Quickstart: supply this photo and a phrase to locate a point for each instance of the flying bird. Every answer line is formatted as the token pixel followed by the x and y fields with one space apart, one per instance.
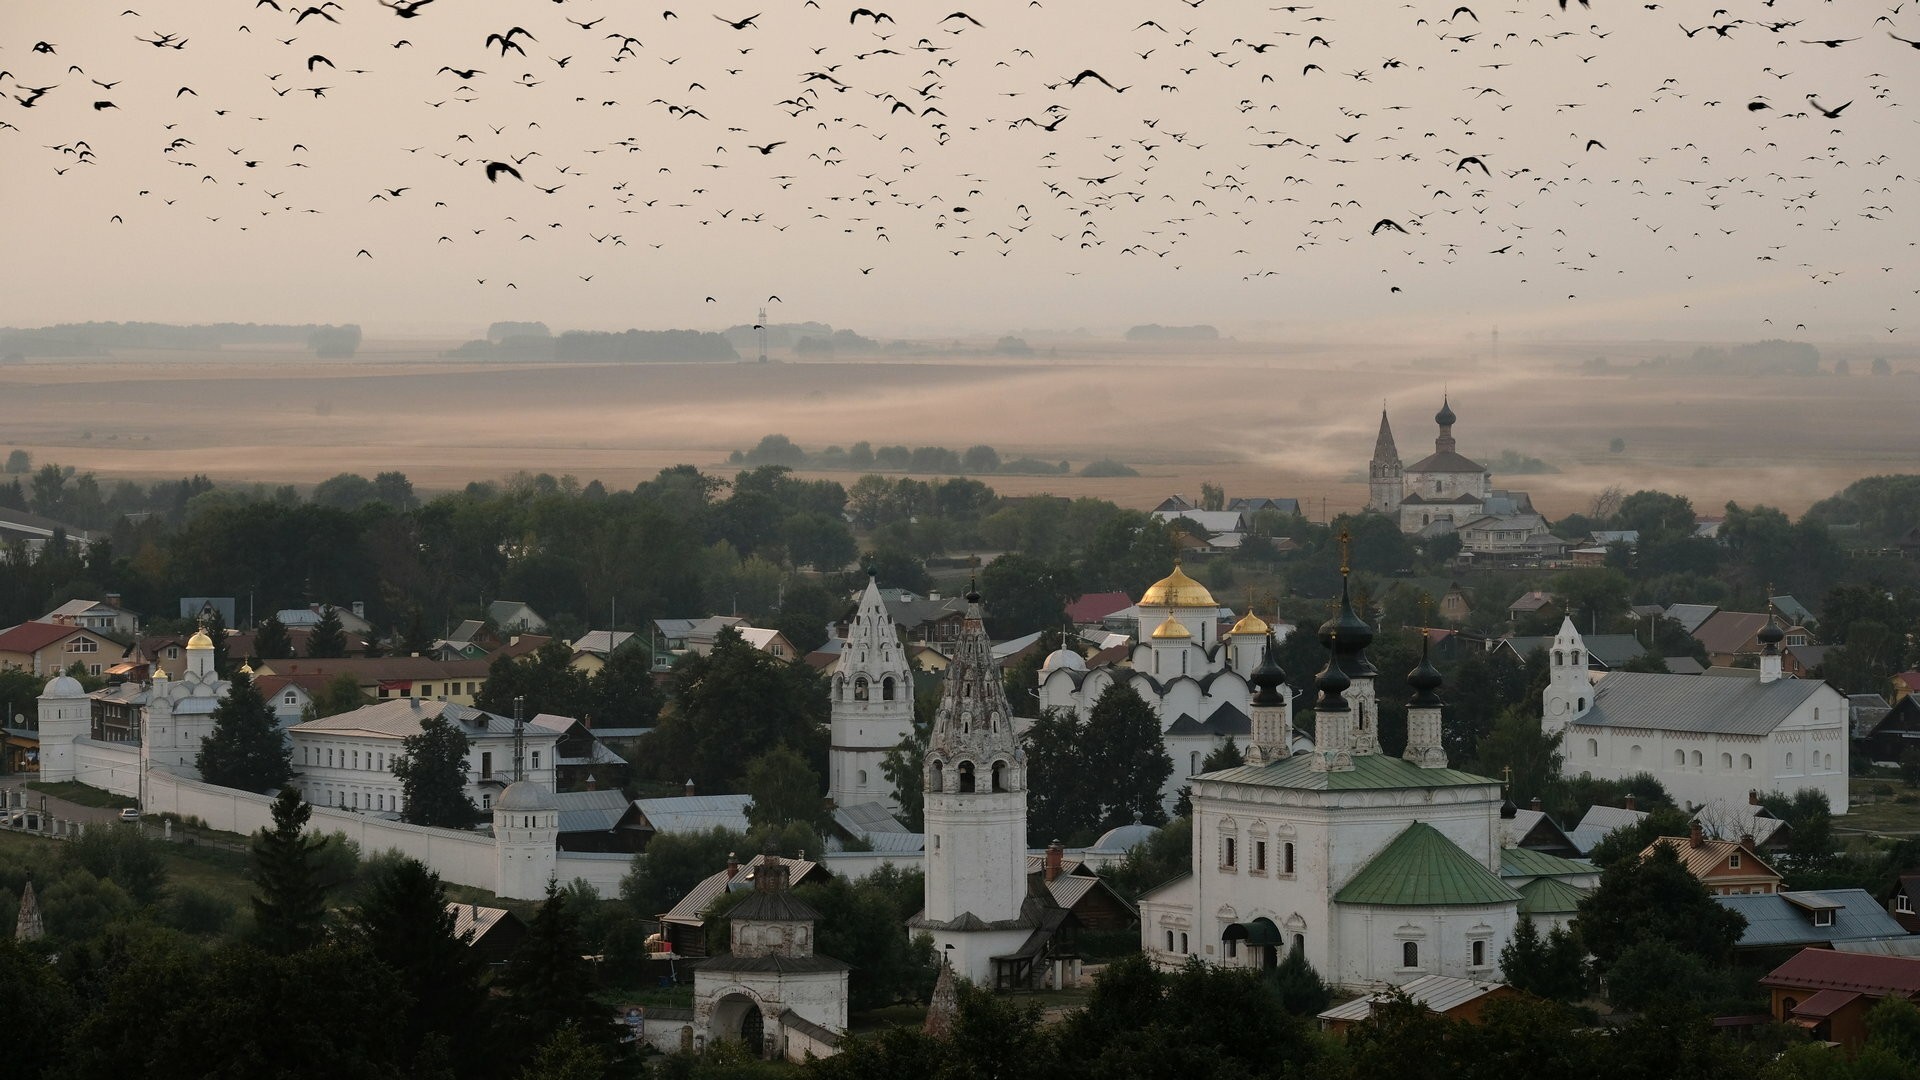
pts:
pixel 495 168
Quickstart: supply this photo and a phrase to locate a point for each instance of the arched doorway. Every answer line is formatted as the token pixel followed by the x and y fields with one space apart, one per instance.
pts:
pixel 737 1017
pixel 1262 941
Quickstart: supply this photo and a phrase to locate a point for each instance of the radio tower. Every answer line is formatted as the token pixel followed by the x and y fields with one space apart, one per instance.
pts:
pixel 760 325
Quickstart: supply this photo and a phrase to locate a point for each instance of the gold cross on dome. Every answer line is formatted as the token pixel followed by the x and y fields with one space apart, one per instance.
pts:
pixel 1506 784
pixel 1346 550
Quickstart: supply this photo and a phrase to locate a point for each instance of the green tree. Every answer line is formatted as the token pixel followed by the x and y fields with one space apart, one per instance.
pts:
pixel 980 459
pixel 904 766
pixel 784 789
pixel 1655 899
pixel 566 1055
pixel 1517 743
pixel 1552 967
pixel 1624 844
pixel 341 694
pixel 623 693
pixel 732 697
pixel 1024 595
pixel 1087 776
pixel 246 749
pixel 549 983
pixel 328 639
pixel 19 462
pixel 819 540
pixel 126 857
pixel 673 864
pixel 271 641
pixel 404 921
pixel 215 627
pixel 1302 991
pixel 432 769
pixel 289 903
pixel 547 680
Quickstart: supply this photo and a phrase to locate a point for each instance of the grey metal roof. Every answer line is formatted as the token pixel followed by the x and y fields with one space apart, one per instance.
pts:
pixel 1630 699
pixel 1598 822
pixel 1612 650
pixel 1439 993
pixel 696 813
pixel 397 718
pixel 865 819
pixel 590 811
pixel 1775 919
pixel 1690 616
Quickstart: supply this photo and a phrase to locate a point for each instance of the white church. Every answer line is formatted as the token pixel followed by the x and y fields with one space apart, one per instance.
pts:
pixel 872 706
pixel 1442 492
pixel 1379 870
pixel 1193 676
pixel 1704 737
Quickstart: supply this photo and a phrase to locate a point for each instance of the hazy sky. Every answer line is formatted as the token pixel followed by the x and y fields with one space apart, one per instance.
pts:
pixel 1628 189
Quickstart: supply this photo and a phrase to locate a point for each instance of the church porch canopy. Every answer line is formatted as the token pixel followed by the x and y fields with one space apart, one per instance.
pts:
pixel 1260 931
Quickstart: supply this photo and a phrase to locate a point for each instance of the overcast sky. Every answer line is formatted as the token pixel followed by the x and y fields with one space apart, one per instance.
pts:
pixel 1628 187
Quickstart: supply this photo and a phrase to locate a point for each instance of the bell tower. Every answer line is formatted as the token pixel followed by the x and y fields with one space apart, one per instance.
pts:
pixel 1385 474
pixel 872 708
pixel 1569 689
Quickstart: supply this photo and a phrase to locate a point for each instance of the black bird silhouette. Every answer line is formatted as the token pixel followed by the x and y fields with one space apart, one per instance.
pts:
pixel 1385 223
pixel 876 16
pixel 406 9
pixel 1831 114
pixel 767 149
pixel 495 168
pixel 304 12
pixel 740 24
pixel 1831 43
pixel 1471 160
pixel 505 41
pixel 316 58
pixel 961 15
pixel 1092 74
pixel 464 73
pixel 1897 37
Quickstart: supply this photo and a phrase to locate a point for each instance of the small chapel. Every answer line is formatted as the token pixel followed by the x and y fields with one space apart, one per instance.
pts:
pixel 1440 492
pixel 1378 870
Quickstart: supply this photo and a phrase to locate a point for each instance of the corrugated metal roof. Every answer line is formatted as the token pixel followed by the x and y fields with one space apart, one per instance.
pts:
pixel 864 819
pixel 1370 772
pixel 696 813
pixel 1712 855
pixel 1775 919
pixel 589 811
pixel 396 718
pixel 1440 993
pixel 691 910
pixel 1631 699
pixel 1422 868
pixel 1900 946
pixel 1550 896
pixel 477 919
pixel 1826 969
pixel 1690 616
pixel 1525 862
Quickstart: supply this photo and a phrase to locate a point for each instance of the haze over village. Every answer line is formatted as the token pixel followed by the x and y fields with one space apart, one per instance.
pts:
pixel 1126 540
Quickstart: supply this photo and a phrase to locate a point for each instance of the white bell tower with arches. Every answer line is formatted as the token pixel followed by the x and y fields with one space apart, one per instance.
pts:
pixel 1569 692
pixel 872 708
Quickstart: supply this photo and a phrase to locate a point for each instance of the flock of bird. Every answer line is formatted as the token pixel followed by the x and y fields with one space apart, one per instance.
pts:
pixel 1444 149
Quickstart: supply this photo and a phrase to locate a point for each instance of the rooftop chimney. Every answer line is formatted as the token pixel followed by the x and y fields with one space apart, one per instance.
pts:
pixel 1534 804
pixel 689 789
pixel 1056 855
pixel 1696 836
pixel 1632 803
pixel 1753 797
pixel 1746 840
pixel 593 783
pixel 359 609
pixel 733 865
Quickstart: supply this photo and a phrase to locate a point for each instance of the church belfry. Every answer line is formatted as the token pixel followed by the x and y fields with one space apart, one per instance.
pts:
pixel 1384 473
pixel 1346 636
pixel 975 813
pixel 1443 443
pixel 1425 747
pixel 872 709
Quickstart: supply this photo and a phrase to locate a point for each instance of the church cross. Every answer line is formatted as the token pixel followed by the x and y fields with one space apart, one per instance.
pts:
pixel 1506 783
pixel 1346 550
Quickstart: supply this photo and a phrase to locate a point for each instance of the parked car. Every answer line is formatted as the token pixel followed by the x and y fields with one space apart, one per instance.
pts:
pixel 131 813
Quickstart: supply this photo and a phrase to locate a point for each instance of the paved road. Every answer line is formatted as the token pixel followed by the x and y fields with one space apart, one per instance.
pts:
pixel 59 808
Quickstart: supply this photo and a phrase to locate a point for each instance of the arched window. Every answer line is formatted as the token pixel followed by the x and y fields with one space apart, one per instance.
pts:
pixel 1696 759
pixel 936 781
pixel 1169 941
pixel 1828 763
pixel 1582 707
pixel 1559 657
pixel 1576 656
pixel 1789 759
pixel 860 688
pixel 999 776
pixel 966 777
pixel 1726 761
pixel 840 687
pixel 1183 943
pixel 1193 763
pixel 1593 748
pixel 862 774
pixel 1479 952
pixel 1633 754
pixel 1299 942
pixel 1409 954
pixel 1286 857
pixel 886 688
pixel 1746 762
pixel 1679 757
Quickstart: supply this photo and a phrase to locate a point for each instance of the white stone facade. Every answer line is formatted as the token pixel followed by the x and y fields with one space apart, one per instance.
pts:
pixel 872 709
pixel 347 760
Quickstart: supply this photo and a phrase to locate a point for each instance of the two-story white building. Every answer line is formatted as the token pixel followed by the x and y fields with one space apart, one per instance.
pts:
pixel 1704 737
pixel 347 760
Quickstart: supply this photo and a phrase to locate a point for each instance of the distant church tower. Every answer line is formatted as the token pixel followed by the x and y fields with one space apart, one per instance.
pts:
pixel 872 705
pixel 1384 473
pixel 1569 687
pixel 976 815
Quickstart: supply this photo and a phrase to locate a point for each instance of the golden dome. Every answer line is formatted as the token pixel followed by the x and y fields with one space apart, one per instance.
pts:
pixel 160 674
pixel 199 641
pixel 1178 590
pixel 246 668
pixel 1250 624
pixel 1172 629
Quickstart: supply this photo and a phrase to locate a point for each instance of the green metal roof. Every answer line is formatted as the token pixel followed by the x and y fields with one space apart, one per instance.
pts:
pixel 1370 772
pixel 1526 862
pixel 1422 868
pixel 1550 896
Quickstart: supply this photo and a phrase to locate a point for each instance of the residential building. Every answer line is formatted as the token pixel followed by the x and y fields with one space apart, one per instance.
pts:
pixel 1904 904
pixel 1732 636
pixel 1703 738
pixel 592 649
pixel 1509 536
pixel 1829 992
pixel 515 617
pixel 47 648
pixel 347 760
pixel 1532 602
pixel 1725 867
pixel 496 932
pixel 1456 999
pixel 1896 733
pixel 384 678
pixel 353 617
pixel 105 616
pixel 1787 919
pixel 674 638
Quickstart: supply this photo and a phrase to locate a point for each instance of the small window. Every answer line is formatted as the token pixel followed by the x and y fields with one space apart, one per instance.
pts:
pixel 1193 763
pixel 486 800
pixel 536 759
pixel 862 774
pixel 860 688
pixel 1733 861
pixel 1901 904
pixel 966 777
pixel 1789 760
pixel 1680 757
pixel 1746 762
pixel 1409 954
pixel 1286 857
pixel 1169 941
pixel 1227 853
pixel 1696 759
pixel 1259 856
pixel 1479 952
pixel 1183 943
pixel 999 776
pixel 1726 761
pixel 1593 748
pixel 886 688
pixel 1823 918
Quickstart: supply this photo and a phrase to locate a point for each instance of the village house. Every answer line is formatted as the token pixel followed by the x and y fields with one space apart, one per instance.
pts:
pixel 47 648
pixel 384 678
pixel 1786 919
pixel 105 616
pixel 1725 867
pixel 1829 992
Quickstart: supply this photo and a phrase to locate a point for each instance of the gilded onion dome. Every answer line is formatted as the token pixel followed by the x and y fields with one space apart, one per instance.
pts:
pixel 1177 590
pixel 1172 629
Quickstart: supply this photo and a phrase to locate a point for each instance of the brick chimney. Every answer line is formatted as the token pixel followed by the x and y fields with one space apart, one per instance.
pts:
pixel 1632 803
pixel 1535 804
pixel 689 788
pixel 1753 797
pixel 593 782
pixel 1056 855
pixel 1696 836
pixel 733 865
pixel 1746 840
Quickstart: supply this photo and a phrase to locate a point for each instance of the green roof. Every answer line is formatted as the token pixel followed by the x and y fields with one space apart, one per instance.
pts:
pixel 1526 862
pixel 1422 868
pixel 1370 772
pixel 1550 896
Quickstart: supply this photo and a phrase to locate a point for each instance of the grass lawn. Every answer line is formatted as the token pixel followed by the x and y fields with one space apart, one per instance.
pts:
pixel 75 792
pixel 892 1016
pixel 1879 814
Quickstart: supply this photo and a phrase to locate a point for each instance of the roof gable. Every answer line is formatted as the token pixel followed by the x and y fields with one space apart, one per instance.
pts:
pixel 1666 702
pixel 1422 868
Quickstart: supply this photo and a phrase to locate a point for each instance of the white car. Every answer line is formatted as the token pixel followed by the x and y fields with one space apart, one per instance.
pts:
pixel 131 813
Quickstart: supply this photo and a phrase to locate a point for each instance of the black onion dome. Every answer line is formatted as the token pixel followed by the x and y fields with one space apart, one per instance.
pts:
pixel 1445 416
pixel 1425 681
pixel 1348 630
pixel 1332 684
pixel 1771 634
pixel 1268 678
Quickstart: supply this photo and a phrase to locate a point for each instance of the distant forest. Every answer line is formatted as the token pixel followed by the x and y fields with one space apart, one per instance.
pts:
pixel 630 345
pixel 97 338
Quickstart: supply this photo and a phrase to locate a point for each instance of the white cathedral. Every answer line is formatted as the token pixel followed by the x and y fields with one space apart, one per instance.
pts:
pixel 1444 490
pixel 1379 870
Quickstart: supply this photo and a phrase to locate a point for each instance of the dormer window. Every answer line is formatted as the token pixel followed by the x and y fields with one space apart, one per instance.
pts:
pixel 1823 917
pixel 1902 905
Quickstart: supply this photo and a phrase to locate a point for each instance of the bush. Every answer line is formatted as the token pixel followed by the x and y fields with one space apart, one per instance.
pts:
pixel 1107 467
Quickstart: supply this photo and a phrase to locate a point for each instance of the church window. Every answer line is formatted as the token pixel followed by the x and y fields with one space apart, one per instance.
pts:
pixel 1726 761
pixel 1183 943
pixel 860 688
pixel 1633 754
pixel 1228 853
pixel 937 778
pixel 1193 763
pixel 1409 954
pixel 1559 657
pixel 1576 656
pixel 1286 858
pixel 840 687
pixel 1789 759
pixel 862 774
pixel 1696 759
pixel 966 776
pixel 1746 762
pixel 1679 757
pixel 1593 748
pixel 1828 763
pixel 1479 952
pixel 1436 487
pixel 886 689
pixel 999 776
pixel 1259 856
pixel 1583 705
pixel 1299 942
pixel 1169 941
